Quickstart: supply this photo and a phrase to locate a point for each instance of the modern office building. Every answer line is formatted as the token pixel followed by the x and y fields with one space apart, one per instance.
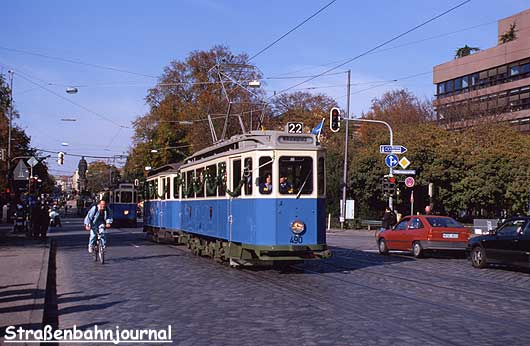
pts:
pixel 491 84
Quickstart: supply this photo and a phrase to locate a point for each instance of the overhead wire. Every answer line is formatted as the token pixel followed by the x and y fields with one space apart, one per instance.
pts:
pixel 406 44
pixel 291 30
pixel 27 78
pixel 394 38
pixel 78 62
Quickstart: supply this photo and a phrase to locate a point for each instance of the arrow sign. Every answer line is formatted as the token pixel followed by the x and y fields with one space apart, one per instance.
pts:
pixel 391 160
pixel 392 149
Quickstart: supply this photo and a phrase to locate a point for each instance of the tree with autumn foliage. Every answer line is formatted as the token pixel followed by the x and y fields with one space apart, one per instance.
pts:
pixel 476 172
pixel 186 93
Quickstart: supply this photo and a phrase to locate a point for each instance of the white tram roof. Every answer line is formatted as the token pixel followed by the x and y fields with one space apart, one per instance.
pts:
pixel 253 140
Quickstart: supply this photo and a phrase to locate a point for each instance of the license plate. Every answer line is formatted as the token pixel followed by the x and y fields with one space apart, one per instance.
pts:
pixel 450 235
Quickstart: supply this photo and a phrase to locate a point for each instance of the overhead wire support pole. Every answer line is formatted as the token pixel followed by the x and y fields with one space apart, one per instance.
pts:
pixel 345 172
pixel 10 72
pixel 390 169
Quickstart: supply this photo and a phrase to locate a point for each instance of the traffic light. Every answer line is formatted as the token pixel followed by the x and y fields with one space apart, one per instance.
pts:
pixel 389 185
pixel 3 155
pixel 60 158
pixel 334 119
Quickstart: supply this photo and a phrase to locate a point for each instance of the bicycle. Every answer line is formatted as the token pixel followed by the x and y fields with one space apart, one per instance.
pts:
pixel 98 251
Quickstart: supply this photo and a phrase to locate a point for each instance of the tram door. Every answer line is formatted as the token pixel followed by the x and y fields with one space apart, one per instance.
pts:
pixel 234 178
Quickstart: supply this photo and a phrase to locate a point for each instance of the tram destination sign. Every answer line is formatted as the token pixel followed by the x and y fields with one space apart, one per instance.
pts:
pixel 392 149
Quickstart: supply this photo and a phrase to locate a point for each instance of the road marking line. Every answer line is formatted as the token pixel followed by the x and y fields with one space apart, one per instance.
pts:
pixel 135 245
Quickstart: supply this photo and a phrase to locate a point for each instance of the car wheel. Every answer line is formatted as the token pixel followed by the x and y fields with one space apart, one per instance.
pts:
pixel 383 249
pixel 417 249
pixel 478 257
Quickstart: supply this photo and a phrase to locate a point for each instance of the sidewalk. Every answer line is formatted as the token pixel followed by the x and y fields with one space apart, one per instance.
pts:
pixel 23 274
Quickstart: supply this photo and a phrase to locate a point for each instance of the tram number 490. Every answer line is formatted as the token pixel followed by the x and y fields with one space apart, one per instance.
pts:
pixel 295 127
pixel 296 239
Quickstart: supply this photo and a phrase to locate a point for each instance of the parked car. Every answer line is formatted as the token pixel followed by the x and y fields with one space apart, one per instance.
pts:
pixel 508 244
pixel 421 233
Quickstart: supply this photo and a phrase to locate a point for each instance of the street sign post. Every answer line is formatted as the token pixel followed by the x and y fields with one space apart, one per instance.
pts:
pixel 404 162
pixel 391 161
pixel 21 171
pixel 392 149
pixel 409 182
pixel 405 171
pixel 32 161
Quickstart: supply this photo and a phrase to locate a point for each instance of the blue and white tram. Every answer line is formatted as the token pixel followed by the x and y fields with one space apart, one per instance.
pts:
pixel 226 201
pixel 123 202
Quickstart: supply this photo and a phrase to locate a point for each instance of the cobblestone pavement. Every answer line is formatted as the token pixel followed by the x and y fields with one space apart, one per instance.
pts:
pixel 355 298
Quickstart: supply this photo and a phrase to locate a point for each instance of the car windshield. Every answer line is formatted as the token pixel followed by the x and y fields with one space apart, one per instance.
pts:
pixel 444 222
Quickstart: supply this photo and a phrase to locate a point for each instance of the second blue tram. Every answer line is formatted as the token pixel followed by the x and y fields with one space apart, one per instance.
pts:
pixel 123 201
pixel 226 201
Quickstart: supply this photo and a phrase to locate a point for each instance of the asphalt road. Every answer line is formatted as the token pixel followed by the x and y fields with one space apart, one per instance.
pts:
pixel 355 298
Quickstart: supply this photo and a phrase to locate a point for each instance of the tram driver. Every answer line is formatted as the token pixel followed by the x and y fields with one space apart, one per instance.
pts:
pixel 285 186
pixel 266 187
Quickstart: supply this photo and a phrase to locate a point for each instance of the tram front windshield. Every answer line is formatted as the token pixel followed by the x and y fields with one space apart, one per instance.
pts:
pixel 126 197
pixel 296 175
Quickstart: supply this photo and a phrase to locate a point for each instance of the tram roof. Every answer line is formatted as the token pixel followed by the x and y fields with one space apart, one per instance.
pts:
pixel 253 140
pixel 259 140
pixel 172 167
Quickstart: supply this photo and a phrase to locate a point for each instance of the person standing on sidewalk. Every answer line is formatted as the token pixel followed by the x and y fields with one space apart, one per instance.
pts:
pixel 389 219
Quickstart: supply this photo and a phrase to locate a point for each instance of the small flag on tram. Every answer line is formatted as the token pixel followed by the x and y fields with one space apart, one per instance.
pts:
pixel 318 129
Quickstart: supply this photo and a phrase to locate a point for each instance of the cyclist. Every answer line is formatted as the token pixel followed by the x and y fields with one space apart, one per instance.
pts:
pixel 97 219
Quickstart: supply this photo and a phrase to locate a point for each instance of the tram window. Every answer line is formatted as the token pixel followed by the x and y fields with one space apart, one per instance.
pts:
pixel 189 181
pixel 117 196
pixel 149 192
pixel 265 168
pixel 168 188
pixel 126 196
pixel 200 181
pixel 135 198
pixel 164 187
pixel 222 170
pixel 236 176
pixel 176 188
pixel 247 175
pixel 155 189
pixel 299 173
pixel 212 172
pixel 321 174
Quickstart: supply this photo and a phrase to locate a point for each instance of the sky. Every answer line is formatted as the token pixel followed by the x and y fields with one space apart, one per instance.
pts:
pixel 143 37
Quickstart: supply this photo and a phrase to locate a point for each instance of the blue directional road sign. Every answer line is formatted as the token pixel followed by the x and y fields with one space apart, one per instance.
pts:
pixel 392 149
pixel 391 160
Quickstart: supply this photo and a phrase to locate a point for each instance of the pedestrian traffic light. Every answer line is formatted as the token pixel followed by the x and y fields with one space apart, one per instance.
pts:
pixel 334 119
pixel 60 158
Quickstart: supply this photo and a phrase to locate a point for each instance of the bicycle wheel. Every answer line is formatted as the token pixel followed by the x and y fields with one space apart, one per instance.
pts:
pixel 101 256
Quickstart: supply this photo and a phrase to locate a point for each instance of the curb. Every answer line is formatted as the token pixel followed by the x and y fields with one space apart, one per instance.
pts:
pixel 37 314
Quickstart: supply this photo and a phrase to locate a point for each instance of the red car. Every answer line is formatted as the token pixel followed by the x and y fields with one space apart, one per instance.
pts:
pixel 422 233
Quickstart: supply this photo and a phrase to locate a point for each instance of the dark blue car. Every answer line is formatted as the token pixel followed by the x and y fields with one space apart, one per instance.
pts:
pixel 508 244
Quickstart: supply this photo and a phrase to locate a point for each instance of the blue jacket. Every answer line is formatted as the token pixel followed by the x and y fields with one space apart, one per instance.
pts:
pixel 93 215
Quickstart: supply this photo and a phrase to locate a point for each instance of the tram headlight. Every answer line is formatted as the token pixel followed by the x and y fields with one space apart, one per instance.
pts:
pixel 125 212
pixel 298 227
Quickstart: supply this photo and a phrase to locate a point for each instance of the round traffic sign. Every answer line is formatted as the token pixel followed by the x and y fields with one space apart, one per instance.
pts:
pixel 391 160
pixel 409 182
